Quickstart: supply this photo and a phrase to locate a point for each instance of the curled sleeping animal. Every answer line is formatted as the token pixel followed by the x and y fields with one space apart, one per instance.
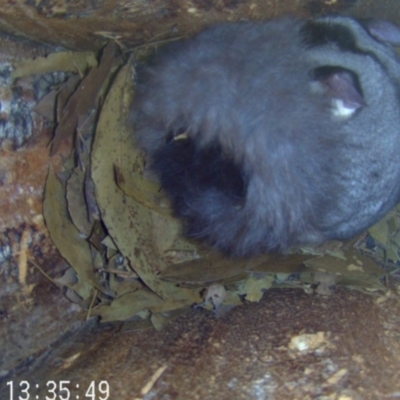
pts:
pixel 267 135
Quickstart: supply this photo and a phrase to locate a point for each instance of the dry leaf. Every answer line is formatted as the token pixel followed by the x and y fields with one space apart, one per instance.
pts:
pixel 46 107
pixel 130 179
pixel 255 285
pixel 353 263
pixel 205 271
pixel 68 279
pixel 124 287
pixel 65 235
pixel 159 321
pixel 130 304
pixel 278 263
pixel 84 99
pixel 76 202
pixel 165 231
pixel 128 222
pixel 380 231
pixel 66 61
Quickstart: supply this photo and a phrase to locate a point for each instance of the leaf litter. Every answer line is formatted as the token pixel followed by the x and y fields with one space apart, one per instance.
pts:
pixel 115 228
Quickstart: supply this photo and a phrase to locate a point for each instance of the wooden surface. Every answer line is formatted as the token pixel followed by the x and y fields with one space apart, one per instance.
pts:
pixel 88 24
pixel 245 355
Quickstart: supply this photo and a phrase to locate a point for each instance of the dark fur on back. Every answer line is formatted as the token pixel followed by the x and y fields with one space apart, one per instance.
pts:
pixel 271 160
pixel 204 187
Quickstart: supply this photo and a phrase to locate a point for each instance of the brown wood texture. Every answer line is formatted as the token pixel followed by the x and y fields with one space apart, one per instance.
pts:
pixel 85 24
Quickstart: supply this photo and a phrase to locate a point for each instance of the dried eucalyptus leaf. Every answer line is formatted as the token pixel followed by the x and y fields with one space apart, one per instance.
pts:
pixel 203 271
pixel 130 304
pixel 232 280
pixel 279 263
pixel 380 231
pixel 177 298
pixel 361 282
pixel 77 290
pixel 97 236
pixel 124 287
pixel 306 278
pixel 392 252
pixel 84 99
pixel 113 257
pixel 46 107
pixel 176 257
pixel 98 260
pixel 66 61
pixel 392 222
pixel 165 231
pixel 65 235
pixel 90 197
pixel 353 264
pixel 64 93
pixel 73 297
pixel 281 277
pixel 330 246
pixel 76 202
pixel 167 236
pixel 52 104
pixel 109 242
pixel 159 321
pixel 127 306
pixel 84 289
pixel 184 245
pixel 128 222
pixel 232 298
pixel 396 239
pixel 130 179
pixel 68 279
pixel 171 315
pixel 255 284
pixel 137 324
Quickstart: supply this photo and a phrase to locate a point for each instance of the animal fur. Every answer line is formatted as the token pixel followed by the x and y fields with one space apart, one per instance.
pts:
pixel 268 135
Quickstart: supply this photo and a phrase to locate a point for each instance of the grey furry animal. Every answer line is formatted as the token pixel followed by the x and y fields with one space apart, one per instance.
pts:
pixel 268 135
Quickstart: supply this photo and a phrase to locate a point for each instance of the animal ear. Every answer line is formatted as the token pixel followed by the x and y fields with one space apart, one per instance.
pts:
pixel 343 87
pixel 383 31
